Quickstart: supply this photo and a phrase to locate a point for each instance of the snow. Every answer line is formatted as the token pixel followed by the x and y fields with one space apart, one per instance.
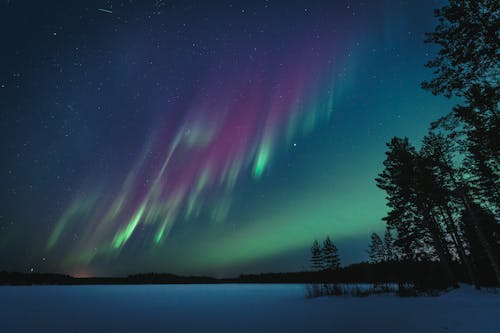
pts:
pixel 238 308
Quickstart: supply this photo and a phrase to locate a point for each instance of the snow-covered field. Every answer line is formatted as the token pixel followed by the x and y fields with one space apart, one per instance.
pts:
pixel 238 308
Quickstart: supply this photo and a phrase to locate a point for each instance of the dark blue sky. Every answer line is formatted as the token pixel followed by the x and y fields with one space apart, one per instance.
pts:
pixel 201 137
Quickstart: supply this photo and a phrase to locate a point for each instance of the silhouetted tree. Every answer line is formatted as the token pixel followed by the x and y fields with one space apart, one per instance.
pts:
pixel 402 214
pixel 468 66
pixel 443 199
pixel 389 254
pixel 439 152
pixel 411 191
pixel 490 230
pixel 330 256
pixel 316 256
pixel 376 249
pixel 468 38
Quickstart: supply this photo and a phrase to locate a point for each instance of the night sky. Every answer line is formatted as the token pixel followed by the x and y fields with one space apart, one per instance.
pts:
pixel 203 137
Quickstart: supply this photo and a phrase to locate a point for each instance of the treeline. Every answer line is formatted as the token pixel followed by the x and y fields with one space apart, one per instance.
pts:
pixel 444 196
pixel 376 273
pixel 19 278
pixel 394 272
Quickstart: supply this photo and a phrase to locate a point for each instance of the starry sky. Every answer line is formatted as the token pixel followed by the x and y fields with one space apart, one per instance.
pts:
pixel 202 137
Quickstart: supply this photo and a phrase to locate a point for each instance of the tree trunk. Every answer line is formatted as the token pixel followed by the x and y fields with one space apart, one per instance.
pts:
pixel 443 253
pixel 484 241
pixel 460 247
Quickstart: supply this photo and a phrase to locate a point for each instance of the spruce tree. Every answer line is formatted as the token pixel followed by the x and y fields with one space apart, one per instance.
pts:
pixel 316 256
pixel 389 254
pixel 376 249
pixel 331 259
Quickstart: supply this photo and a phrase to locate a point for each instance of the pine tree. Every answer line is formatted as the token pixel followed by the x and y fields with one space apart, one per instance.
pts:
pixel 403 216
pixel 316 256
pixel 336 263
pixel 468 65
pixel 411 192
pixel 331 259
pixel 482 246
pixel 440 196
pixel 468 40
pixel 376 249
pixel 459 191
pixel 440 151
pixel 389 254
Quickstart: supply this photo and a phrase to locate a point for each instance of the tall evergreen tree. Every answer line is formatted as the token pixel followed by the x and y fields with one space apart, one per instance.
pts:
pixel 389 254
pixel 410 186
pixel 331 259
pixel 440 151
pixel 376 249
pixel 441 196
pixel 468 65
pixel 316 256
pixel 456 194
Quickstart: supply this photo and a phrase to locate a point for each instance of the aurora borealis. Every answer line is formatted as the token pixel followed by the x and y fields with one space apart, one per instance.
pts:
pixel 202 137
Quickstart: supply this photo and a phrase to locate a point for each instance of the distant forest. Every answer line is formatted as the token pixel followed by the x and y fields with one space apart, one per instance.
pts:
pixel 444 195
pixel 369 273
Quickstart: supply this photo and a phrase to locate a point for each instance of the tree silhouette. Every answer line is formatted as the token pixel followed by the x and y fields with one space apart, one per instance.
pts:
pixel 331 259
pixel 376 249
pixel 481 250
pixel 316 256
pixel 411 192
pixel 443 198
pixel 468 66
pixel 389 254
pixel 468 37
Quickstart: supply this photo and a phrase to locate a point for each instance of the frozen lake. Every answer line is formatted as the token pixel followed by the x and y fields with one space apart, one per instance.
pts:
pixel 237 308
